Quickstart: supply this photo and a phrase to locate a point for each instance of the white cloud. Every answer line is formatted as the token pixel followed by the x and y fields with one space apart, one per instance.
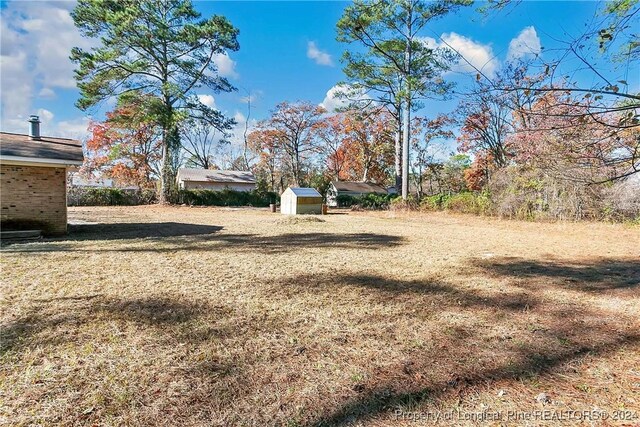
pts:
pixel 252 97
pixel 333 101
pixel 207 100
pixel 237 133
pixel 37 38
pixel 239 117
pixel 75 128
pixel 527 44
pixel 16 85
pixel 47 93
pixel 473 55
pixel 46 116
pixel 225 65
pixel 429 42
pixel 320 57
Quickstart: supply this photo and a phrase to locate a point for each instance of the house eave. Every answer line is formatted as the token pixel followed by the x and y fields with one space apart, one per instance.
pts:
pixel 37 161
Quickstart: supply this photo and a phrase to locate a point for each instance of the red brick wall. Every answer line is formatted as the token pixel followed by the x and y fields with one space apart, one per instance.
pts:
pixel 35 197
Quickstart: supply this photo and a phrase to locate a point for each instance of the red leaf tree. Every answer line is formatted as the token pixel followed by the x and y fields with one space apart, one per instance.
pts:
pixel 359 145
pixel 126 147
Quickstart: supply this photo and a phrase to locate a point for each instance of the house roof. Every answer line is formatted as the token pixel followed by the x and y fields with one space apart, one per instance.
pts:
pixel 304 192
pixel 359 187
pixel 206 175
pixel 47 148
pixel 83 181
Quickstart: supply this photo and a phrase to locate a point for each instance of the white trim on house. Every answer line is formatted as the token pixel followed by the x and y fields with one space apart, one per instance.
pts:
pixel 35 161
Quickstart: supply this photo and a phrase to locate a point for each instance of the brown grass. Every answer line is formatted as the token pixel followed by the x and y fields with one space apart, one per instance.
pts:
pixel 200 317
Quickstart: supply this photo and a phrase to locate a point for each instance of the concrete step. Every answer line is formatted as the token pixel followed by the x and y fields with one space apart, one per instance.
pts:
pixel 20 235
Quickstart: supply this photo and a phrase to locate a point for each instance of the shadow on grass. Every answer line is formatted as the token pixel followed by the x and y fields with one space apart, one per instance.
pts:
pixel 542 337
pixel 49 314
pixel 95 326
pixel 173 237
pixel 591 276
pixel 546 336
pixel 388 290
pixel 533 362
pixel 120 231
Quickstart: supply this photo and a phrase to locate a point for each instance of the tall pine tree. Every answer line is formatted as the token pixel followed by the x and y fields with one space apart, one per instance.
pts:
pixel 391 59
pixel 161 48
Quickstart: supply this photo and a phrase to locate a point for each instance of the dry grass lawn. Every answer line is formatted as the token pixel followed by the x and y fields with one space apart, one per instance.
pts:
pixel 232 317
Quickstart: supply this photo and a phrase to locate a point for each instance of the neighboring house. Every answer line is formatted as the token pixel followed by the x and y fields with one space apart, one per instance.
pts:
pixel 413 189
pixel 90 182
pixel 79 181
pixel 33 171
pixel 205 179
pixel 353 189
pixel 296 201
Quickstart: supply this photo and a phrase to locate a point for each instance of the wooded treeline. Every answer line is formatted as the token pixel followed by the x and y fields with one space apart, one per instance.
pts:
pixel 527 141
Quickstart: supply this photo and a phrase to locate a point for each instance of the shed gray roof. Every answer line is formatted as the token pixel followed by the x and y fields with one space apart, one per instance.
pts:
pixel 206 175
pixel 359 187
pixel 19 145
pixel 305 192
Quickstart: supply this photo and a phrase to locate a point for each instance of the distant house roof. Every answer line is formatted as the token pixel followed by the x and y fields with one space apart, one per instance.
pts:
pixel 206 175
pixel 83 181
pixel 413 189
pixel 359 187
pixel 304 192
pixel 98 182
pixel 14 146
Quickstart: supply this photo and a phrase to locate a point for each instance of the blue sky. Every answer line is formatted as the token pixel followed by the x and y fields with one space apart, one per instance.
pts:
pixel 288 52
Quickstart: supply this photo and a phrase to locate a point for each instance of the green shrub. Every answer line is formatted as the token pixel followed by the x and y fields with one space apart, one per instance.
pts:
pixel 461 202
pixel 345 201
pixel 227 198
pixel 433 203
pixel 375 201
pixel 366 201
pixel 83 196
pixel 398 203
pixel 485 203
pixel 465 202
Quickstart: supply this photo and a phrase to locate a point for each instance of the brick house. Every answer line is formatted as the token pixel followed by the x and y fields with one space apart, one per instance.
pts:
pixel 33 179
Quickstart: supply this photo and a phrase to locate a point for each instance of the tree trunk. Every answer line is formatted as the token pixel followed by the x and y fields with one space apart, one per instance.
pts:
pixel 297 174
pixel 170 146
pixel 419 180
pixel 246 130
pixel 273 179
pixel 398 158
pixel 165 169
pixel 294 171
pixel 405 149
pixel 365 173
pixel 406 116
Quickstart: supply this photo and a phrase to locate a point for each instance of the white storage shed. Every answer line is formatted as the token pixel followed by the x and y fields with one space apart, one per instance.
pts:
pixel 296 201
